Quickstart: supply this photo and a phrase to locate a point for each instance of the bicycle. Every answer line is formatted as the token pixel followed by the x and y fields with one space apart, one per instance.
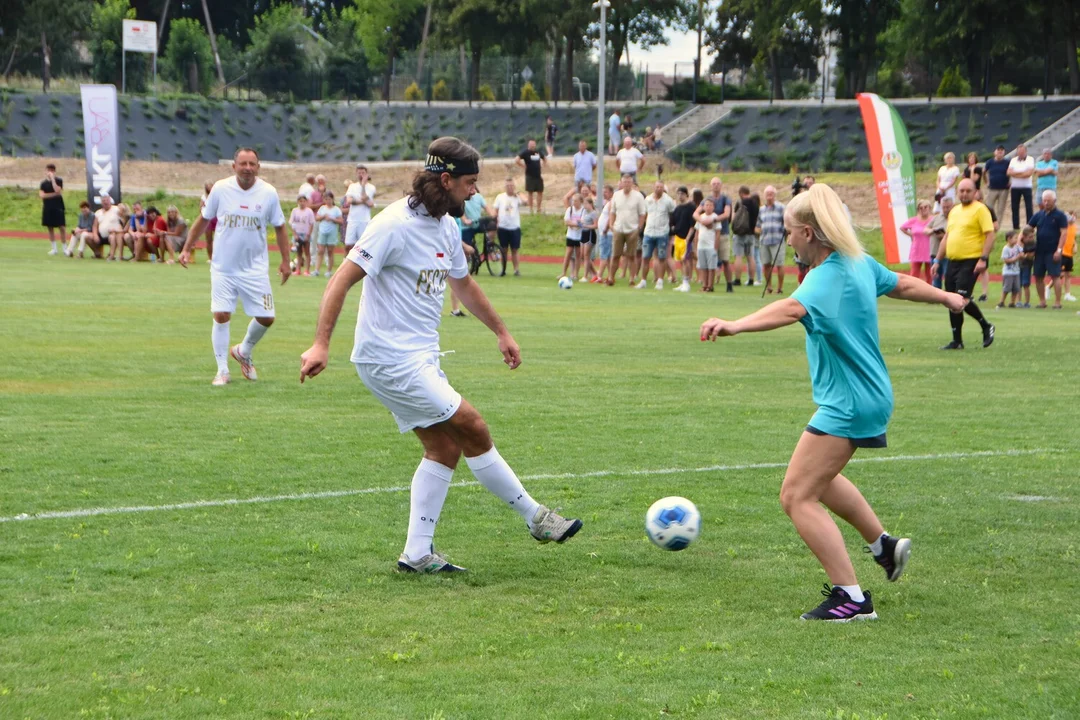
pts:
pixel 491 255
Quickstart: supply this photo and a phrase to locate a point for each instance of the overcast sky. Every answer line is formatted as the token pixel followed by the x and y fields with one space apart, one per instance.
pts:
pixel 681 48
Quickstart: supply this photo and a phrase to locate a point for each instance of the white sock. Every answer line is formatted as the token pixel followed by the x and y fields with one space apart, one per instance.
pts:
pixel 53 242
pixel 494 474
pixel 255 332
pixel 430 483
pixel 219 337
pixel 854 592
pixel 875 547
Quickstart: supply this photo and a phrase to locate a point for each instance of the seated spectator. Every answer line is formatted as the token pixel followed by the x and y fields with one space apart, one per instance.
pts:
pixel 150 242
pixel 175 233
pixel 107 229
pixel 134 230
pixel 649 139
pixel 158 228
pixel 83 232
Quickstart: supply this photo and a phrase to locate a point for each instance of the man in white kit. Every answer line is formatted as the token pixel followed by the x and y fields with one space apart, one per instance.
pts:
pixel 361 198
pixel 244 207
pixel 408 254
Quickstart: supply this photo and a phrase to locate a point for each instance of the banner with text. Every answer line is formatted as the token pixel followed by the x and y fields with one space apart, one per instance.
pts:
pixel 893 165
pixel 101 130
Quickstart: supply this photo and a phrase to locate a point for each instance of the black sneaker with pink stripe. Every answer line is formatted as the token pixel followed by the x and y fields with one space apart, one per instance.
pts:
pixel 839 607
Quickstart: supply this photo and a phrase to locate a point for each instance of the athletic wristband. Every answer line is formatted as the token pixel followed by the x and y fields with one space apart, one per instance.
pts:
pixel 985 259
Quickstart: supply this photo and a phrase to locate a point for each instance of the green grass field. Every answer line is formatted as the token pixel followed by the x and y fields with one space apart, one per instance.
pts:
pixel 292 608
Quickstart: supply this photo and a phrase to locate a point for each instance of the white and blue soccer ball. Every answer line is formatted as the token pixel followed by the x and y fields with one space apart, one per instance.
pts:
pixel 672 523
pixel 565 283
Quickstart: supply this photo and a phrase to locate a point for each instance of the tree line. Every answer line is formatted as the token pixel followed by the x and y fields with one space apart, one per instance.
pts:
pixel 892 47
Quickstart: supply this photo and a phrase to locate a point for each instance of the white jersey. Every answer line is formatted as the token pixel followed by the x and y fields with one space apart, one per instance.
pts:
pixel 360 213
pixel 243 217
pixel 407 256
pixel 508 208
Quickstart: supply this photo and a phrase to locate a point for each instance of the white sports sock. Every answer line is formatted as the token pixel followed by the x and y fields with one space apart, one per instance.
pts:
pixel 875 547
pixel 854 592
pixel 219 337
pixel 53 244
pixel 430 483
pixel 494 474
pixel 255 332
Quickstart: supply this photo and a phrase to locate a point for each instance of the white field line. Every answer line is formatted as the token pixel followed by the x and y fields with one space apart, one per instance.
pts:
pixel 197 504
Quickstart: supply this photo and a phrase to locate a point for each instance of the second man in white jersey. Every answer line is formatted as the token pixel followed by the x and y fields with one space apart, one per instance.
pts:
pixel 360 197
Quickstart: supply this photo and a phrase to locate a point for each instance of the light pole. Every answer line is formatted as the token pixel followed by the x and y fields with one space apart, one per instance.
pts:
pixel 601 151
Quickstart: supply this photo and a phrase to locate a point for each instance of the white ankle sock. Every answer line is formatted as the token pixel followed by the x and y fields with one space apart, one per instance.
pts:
pixel 255 332
pixel 854 592
pixel 875 547
pixel 219 337
pixel 494 474
pixel 53 244
pixel 430 483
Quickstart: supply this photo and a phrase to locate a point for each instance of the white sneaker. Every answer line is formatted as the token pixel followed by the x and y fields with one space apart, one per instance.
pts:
pixel 684 287
pixel 659 284
pixel 547 525
pixel 430 564
pixel 247 368
pixel 52 252
pixel 1070 297
pixel 641 285
pixel 221 379
pixel 315 273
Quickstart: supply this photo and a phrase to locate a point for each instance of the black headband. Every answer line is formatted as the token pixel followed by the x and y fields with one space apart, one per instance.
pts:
pixel 436 164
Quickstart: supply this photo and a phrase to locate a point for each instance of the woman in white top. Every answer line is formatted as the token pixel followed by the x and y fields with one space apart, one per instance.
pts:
pixel 948 175
pixel 574 221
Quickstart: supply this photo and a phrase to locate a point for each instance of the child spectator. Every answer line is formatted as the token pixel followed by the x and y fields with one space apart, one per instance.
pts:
pixel 302 222
pixel 329 218
pixel 919 253
pixel 588 238
pixel 82 232
pixel 1010 269
pixel 1067 258
pixel 151 239
pixel 707 255
pixel 573 219
pixel 1027 262
pixel 135 232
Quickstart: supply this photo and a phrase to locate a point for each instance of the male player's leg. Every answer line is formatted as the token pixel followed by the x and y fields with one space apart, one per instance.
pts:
pixel 223 295
pixel 471 434
pixel 259 306
pixel 430 484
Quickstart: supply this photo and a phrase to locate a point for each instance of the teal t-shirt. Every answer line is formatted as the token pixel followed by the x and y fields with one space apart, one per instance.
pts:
pixel 474 208
pixel 1045 182
pixel 851 383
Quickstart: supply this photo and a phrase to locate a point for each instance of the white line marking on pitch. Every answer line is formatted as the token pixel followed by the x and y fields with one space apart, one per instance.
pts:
pixel 196 504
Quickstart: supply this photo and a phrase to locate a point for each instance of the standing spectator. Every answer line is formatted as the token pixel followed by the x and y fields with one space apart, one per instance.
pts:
pixel 307 187
pixel 996 172
pixel 604 235
pixel 773 249
pixel 550 130
pixel 1046 172
pixel 629 160
pixel 589 223
pixel 531 160
pixel 627 218
pixel 108 229
pixel 1027 262
pixel 1051 227
pixel 210 226
pixel 330 218
pixel 360 197
pixel 968 242
pixel 917 228
pixel 507 209
pixel 320 191
pixel 744 240
pixel 722 208
pixel 51 193
pixel 1067 259
pixel 86 225
pixel 707 224
pixel 573 219
pixel 682 224
pixel 947 177
pixel 584 165
pixel 1010 269
pixel 973 171
pixel 302 222
pixel 658 209
pixel 628 126
pixel 1021 170
pixel 936 231
pixel 614 124
pixel 808 182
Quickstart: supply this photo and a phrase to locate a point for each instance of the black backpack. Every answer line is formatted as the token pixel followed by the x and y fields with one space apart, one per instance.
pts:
pixel 740 221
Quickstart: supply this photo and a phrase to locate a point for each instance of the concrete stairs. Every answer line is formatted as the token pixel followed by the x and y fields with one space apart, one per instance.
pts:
pixel 682 130
pixel 1055 136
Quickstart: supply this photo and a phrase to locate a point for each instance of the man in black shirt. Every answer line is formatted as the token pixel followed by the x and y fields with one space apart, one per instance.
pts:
pixel 996 173
pixel 743 222
pixel 531 159
pixel 682 226
pixel 51 193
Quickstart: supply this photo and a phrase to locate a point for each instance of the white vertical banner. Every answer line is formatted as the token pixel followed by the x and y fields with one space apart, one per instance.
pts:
pixel 101 132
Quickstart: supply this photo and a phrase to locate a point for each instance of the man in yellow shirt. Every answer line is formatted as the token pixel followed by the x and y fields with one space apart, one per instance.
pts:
pixel 968 242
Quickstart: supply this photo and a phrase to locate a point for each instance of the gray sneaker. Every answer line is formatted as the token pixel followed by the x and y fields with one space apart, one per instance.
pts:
pixel 431 563
pixel 548 525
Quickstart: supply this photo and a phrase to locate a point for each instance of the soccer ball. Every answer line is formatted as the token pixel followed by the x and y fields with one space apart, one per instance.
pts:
pixel 672 523
pixel 292 266
pixel 565 283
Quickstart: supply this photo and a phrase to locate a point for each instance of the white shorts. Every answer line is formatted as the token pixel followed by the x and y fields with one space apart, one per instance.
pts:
pixel 416 393
pixel 353 233
pixel 254 291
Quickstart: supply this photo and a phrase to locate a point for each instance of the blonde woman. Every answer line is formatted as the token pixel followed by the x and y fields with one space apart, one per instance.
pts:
pixel 948 175
pixel 837 306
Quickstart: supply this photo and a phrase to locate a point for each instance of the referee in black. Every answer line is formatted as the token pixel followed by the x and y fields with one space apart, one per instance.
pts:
pixel 968 242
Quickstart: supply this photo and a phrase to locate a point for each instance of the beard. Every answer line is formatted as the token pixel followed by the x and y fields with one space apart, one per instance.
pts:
pixel 456 211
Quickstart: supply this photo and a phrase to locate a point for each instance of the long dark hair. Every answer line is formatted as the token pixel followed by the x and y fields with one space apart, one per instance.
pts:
pixel 427 187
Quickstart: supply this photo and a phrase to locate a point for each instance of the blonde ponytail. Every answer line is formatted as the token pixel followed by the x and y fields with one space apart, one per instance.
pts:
pixel 820 208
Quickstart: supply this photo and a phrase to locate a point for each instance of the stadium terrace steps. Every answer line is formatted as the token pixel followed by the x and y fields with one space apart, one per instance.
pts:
pixel 682 130
pixel 1056 137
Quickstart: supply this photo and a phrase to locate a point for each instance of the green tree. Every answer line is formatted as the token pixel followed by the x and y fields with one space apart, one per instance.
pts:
pixel 279 57
pixel 385 29
pixel 857 24
pixel 42 29
pixel 953 84
pixel 106 43
pixel 346 62
pixel 484 24
pixel 188 58
pixel 644 23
